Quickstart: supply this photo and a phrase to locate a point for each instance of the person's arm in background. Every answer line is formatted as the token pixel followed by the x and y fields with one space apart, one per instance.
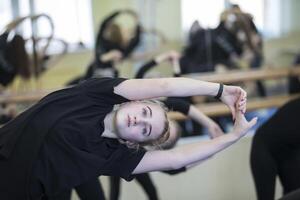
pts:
pixel 213 128
pixel 111 56
pixel 171 56
pixel 189 110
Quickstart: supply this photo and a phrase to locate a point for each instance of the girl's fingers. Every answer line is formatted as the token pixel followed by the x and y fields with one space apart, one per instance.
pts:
pixel 253 122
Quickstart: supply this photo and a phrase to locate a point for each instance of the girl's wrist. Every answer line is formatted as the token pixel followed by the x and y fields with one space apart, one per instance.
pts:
pixel 220 91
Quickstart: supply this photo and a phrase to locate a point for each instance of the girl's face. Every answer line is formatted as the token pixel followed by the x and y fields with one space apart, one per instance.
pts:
pixel 140 122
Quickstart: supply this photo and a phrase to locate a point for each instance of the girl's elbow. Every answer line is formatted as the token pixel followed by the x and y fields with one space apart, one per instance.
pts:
pixel 177 161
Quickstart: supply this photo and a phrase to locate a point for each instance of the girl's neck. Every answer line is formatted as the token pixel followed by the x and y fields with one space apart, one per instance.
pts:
pixel 109 125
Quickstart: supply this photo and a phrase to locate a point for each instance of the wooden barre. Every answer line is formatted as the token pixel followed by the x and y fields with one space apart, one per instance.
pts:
pixel 226 77
pixel 218 109
pixel 233 76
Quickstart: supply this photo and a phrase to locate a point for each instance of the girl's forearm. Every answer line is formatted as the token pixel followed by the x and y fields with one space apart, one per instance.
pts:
pixel 191 87
pixel 136 89
pixel 198 116
pixel 191 153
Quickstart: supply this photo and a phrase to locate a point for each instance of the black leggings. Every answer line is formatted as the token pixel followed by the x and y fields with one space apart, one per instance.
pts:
pixel 295 195
pixel 91 190
pixel 143 179
pixel 275 153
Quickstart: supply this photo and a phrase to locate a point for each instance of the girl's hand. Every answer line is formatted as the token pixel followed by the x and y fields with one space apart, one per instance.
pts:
pixel 241 125
pixel 214 130
pixel 113 55
pixel 170 56
pixel 235 98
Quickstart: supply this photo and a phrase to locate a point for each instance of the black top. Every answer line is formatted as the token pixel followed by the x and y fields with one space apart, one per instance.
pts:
pixel 65 128
pixel 294 82
pixel 209 47
pixel 75 152
pixel 177 104
pixel 99 68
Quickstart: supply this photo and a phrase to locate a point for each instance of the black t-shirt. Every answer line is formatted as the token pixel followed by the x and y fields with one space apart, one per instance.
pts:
pixel 74 150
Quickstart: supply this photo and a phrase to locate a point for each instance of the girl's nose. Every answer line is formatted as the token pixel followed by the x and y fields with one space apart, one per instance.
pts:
pixel 137 121
pixel 134 121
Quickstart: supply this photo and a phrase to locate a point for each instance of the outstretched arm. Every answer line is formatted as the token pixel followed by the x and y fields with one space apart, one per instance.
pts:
pixel 192 153
pixel 213 128
pixel 188 109
pixel 137 89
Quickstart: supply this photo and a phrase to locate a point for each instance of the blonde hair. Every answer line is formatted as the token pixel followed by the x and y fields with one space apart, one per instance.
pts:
pixel 171 142
pixel 164 136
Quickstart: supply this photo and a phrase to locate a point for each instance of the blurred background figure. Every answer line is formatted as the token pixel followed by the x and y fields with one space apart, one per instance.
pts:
pixel 275 152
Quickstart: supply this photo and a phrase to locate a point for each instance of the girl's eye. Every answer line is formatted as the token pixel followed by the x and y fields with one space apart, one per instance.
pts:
pixel 144 131
pixel 144 112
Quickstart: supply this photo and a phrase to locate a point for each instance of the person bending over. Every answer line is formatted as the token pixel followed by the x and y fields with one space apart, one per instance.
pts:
pixel 74 135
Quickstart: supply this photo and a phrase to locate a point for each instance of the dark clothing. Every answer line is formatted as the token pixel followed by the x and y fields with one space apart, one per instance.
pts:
pixel 294 82
pixel 5 118
pixel 174 104
pixel 276 151
pixel 208 48
pixel 60 138
pixel 13 58
pixel 177 104
pixel 92 190
pixel 144 179
pixel 145 68
pixel 295 195
pixel 99 68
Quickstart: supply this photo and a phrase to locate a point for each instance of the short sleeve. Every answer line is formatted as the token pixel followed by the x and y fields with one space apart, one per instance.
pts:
pixel 123 161
pixel 101 90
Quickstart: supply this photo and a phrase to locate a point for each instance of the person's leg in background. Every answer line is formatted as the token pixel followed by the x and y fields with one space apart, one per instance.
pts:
pixel 91 190
pixel 289 170
pixel 66 195
pixel 115 183
pixel 264 169
pixel 148 186
pixel 295 195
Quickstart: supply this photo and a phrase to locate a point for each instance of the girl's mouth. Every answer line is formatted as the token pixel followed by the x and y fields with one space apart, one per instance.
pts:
pixel 128 120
